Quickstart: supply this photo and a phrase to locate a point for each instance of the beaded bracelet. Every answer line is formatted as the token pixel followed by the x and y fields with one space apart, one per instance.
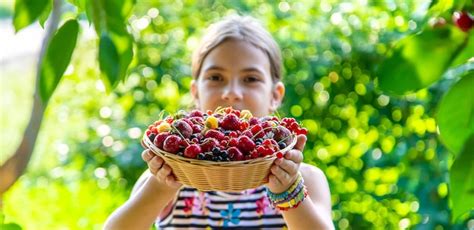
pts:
pixel 284 195
pixel 290 198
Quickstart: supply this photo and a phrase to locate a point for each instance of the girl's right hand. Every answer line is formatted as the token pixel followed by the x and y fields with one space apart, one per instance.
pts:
pixel 159 169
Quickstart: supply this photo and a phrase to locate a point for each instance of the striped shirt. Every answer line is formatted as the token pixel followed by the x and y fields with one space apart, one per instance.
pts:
pixel 209 210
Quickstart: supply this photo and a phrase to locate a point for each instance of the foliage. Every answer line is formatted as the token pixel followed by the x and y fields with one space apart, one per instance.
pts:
pixel 381 154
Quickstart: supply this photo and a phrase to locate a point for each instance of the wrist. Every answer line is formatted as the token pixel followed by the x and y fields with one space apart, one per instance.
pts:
pixel 290 198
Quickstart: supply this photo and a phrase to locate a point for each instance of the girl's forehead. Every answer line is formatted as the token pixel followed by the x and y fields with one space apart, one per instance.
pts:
pixel 236 54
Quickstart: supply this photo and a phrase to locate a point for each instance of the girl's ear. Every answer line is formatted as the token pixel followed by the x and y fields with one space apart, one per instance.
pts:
pixel 194 92
pixel 277 96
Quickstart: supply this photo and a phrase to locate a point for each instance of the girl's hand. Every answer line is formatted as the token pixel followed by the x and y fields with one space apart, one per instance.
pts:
pixel 284 171
pixel 159 169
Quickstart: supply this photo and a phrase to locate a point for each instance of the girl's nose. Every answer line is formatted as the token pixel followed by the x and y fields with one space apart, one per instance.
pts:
pixel 232 92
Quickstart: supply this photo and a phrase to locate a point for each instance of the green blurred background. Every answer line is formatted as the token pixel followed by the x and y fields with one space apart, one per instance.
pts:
pixel 385 164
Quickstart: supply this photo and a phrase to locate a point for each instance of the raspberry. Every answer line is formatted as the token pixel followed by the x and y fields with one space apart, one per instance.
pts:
pixel 235 154
pixel 172 143
pixel 183 128
pixel 246 144
pixel 160 139
pixel 192 151
pixel 230 122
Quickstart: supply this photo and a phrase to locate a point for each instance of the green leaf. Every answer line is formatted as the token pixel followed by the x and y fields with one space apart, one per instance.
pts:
pixel 10 226
pixel 418 61
pixel 462 180
pixel 455 114
pixel 109 60
pixel 27 11
pixel 45 15
pixel 57 58
pixel 94 12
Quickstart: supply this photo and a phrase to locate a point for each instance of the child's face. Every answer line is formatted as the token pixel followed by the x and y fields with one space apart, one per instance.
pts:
pixel 237 74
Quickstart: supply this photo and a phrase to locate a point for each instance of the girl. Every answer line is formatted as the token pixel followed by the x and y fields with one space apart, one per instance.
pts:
pixel 237 64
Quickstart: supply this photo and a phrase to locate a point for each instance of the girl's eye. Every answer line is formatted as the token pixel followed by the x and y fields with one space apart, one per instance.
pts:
pixel 251 79
pixel 215 78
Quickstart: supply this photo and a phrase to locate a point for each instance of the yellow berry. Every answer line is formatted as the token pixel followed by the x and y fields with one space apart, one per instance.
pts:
pixel 164 127
pixel 211 122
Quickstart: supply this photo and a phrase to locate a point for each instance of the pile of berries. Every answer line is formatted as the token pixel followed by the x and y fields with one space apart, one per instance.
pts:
pixel 223 135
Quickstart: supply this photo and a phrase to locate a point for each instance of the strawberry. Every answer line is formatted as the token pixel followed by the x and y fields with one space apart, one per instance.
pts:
pixel 214 134
pixel 230 122
pixel 235 154
pixel 246 144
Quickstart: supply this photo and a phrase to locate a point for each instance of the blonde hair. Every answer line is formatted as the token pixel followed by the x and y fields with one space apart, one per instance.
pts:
pixel 243 28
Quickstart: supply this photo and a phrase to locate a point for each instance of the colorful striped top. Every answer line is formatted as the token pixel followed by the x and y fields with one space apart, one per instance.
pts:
pixel 209 210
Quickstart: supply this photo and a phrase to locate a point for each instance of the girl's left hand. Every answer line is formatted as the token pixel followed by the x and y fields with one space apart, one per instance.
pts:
pixel 284 171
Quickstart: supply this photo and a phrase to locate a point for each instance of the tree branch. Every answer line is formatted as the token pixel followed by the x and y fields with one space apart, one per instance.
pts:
pixel 14 167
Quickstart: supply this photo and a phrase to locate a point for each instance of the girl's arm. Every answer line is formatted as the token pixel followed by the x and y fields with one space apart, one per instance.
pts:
pixel 315 211
pixel 151 194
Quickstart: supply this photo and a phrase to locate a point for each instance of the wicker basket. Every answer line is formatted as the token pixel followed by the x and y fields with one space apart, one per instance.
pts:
pixel 230 176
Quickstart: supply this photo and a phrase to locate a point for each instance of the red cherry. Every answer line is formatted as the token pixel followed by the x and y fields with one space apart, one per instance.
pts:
pixel 192 151
pixel 463 20
pixel 279 155
pixel 160 139
pixel 172 143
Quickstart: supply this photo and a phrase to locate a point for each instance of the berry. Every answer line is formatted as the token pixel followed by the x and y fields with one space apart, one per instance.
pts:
pixel 183 128
pixel 246 144
pixel 192 151
pixel 279 155
pixel 230 122
pixel 172 143
pixel 160 139
pixel 253 121
pixel 196 129
pixel 282 134
pixel 214 134
pixel 463 20
pixel 195 113
pixel 257 131
pixel 235 154
pixel 164 127
pixel 211 122
pixel 208 144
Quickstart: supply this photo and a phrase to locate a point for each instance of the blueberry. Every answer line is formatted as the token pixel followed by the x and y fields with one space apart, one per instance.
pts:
pixel 282 145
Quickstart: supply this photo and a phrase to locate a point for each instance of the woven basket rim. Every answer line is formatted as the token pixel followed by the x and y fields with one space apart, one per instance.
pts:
pixel 149 144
